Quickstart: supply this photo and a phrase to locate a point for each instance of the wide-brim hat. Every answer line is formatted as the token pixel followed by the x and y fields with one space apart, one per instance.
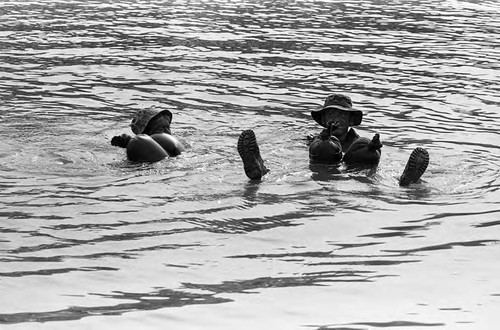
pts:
pixel 143 116
pixel 339 102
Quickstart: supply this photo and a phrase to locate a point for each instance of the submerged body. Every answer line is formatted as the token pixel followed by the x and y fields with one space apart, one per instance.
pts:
pixel 145 148
pixel 337 142
pixel 337 116
pixel 153 140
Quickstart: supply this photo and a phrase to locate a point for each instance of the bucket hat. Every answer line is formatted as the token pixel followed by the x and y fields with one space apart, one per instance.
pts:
pixel 143 116
pixel 339 102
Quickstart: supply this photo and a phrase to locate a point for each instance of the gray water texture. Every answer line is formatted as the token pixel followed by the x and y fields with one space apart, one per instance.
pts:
pixel 89 240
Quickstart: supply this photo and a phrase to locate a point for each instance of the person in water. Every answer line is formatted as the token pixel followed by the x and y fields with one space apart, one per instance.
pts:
pixel 153 140
pixel 337 142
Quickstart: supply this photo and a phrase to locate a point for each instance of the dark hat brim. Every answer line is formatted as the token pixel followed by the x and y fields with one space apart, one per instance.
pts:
pixel 356 115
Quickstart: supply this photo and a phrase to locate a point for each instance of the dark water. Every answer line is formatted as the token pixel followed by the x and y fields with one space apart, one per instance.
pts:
pixel 94 242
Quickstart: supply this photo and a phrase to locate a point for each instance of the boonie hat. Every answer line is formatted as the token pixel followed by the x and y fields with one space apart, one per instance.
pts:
pixel 143 116
pixel 339 102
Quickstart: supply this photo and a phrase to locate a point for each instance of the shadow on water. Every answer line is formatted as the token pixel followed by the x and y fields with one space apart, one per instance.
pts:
pixel 311 279
pixel 425 73
pixel 164 298
pixel 321 172
pixel 390 324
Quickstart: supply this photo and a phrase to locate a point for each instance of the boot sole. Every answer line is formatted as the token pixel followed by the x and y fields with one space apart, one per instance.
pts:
pixel 250 155
pixel 416 166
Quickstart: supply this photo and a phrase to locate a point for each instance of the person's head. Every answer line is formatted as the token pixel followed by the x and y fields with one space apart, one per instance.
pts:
pixel 150 121
pixel 340 119
pixel 159 124
pixel 338 109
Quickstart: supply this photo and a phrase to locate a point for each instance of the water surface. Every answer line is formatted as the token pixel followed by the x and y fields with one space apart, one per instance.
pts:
pixel 91 241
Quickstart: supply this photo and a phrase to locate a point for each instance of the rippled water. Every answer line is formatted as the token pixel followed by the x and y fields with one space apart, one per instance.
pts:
pixel 94 242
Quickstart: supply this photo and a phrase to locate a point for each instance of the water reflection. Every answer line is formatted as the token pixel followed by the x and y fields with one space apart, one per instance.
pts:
pixel 140 302
pixel 380 325
pixel 193 230
pixel 319 278
pixel 322 172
